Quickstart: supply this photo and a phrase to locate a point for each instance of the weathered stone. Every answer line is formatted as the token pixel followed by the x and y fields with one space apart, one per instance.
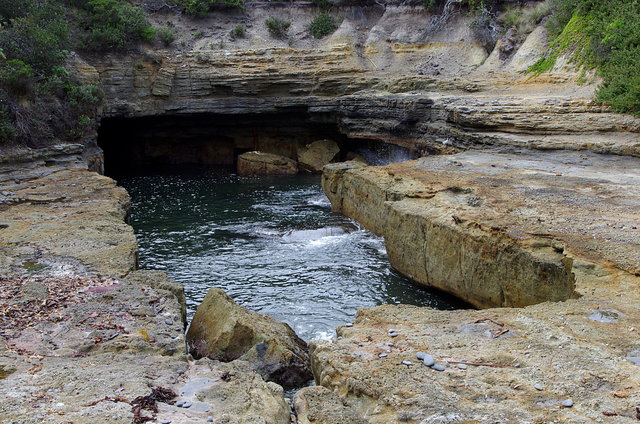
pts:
pixel 223 330
pixel 446 225
pixel 552 342
pixel 314 156
pixel 319 405
pixel 260 163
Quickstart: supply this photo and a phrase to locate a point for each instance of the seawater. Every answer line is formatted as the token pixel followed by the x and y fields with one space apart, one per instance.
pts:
pixel 272 243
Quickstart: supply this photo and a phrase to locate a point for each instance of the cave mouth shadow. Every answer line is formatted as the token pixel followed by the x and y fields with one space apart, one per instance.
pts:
pixel 182 142
pixel 170 142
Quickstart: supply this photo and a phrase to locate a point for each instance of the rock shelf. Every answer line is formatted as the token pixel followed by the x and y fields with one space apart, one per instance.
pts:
pixel 475 224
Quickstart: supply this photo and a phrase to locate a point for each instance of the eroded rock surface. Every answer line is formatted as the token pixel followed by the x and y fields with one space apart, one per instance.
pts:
pixel 500 365
pixel 570 361
pixel 314 156
pixel 84 343
pixel 260 163
pixel 497 229
pixel 223 330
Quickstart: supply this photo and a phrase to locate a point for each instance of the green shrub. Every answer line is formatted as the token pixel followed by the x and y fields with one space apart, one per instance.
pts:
pixel 198 35
pixel 85 97
pixel 429 4
pixel 323 25
pixel 323 4
pixel 238 31
pixel 277 27
pixel 166 35
pixel 7 129
pixel 16 75
pixel 199 8
pixel 115 25
pixel 605 36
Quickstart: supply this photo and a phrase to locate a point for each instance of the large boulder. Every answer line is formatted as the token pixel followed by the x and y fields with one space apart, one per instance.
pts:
pixel 314 156
pixel 260 163
pixel 224 330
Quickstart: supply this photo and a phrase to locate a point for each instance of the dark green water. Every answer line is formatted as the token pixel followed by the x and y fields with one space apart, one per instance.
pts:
pixel 272 243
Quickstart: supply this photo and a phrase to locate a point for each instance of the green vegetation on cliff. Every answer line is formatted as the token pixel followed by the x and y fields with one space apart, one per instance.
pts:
pixel 602 35
pixel 40 99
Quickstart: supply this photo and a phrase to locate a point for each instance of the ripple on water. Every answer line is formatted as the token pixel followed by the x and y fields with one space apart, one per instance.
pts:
pixel 271 243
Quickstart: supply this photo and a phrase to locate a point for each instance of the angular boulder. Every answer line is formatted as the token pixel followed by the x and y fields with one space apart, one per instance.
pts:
pixel 260 163
pixel 224 330
pixel 314 156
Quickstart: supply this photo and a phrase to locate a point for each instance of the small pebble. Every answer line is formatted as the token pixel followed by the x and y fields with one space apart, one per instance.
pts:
pixel 209 419
pixel 568 403
pixel 180 372
pixel 348 325
pixel 420 355
pixel 360 344
pixel 187 405
pixel 165 421
pixel 179 403
pixel 437 367
pixel 393 334
pixel 407 363
pixel 462 366
pixel 168 321
pixel 391 344
pixel 392 330
pixel 428 360
pixel 538 387
pixel 383 355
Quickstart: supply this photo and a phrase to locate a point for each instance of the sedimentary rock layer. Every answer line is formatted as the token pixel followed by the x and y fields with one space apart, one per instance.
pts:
pixel 497 229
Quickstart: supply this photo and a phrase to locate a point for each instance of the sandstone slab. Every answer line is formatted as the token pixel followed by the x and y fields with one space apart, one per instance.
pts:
pixel 225 331
pixel 498 229
pixel 260 163
pixel 314 156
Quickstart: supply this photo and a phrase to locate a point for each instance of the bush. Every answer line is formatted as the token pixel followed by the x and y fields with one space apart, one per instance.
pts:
pixel 199 8
pixel 16 75
pixel 602 35
pixel 277 27
pixel 85 97
pixel 323 4
pixel 429 4
pixel 323 25
pixel 238 31
pixel 166 35
pixel 7 129
pixel 525 20
pixel 115 25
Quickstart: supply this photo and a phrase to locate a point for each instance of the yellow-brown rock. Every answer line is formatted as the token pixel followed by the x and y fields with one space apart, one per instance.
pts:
pixel 260 163
pixel 226 331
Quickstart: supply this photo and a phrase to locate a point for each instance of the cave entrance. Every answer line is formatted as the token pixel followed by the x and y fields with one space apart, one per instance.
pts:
pixel 159 143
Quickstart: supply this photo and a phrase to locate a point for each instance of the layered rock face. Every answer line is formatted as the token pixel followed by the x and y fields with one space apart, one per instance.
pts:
pixel 223 330
pixel 496 229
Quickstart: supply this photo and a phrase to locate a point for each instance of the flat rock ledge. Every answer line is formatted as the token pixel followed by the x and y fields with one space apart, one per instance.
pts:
pixel 261 163
pixel 86 338
pixel 573 216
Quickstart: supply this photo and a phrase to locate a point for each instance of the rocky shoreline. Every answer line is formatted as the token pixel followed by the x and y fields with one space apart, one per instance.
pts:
pixel 525 203
pixel 86 337
pixel 565 361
